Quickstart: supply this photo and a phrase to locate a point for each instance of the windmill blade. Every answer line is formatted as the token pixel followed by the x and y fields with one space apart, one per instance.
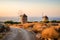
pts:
pixel 20 12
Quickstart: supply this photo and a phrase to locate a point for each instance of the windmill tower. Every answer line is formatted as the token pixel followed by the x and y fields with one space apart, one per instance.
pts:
pixel 23 17
pixel 44 18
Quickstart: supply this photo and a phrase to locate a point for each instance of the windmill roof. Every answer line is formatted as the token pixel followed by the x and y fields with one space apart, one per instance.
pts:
pixel 24 15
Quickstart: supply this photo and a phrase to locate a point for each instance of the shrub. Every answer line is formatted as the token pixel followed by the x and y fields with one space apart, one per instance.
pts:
pixel 11 22
pixel 49 33
pixel 53 21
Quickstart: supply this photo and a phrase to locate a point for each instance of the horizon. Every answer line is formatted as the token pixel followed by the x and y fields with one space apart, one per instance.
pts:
pixel 32 8
pixel 17 19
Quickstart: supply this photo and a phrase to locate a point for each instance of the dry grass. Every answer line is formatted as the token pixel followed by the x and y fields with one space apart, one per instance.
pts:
pixel 39 27
pixel 50 33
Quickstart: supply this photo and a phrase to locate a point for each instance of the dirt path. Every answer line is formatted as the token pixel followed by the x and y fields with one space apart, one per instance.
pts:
pixel 19 34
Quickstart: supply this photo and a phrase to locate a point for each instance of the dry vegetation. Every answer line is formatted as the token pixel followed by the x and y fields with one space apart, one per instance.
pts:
pixel 50 33
pixel 42 30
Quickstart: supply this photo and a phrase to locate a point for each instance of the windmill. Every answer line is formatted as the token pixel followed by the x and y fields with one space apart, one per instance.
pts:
pixel 22 17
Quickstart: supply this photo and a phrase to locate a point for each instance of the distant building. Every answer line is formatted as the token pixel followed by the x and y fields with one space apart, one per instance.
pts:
pixel 45 18
pixel 23 18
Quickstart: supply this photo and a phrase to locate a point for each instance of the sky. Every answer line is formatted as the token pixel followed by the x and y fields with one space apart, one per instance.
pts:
pixel 32 8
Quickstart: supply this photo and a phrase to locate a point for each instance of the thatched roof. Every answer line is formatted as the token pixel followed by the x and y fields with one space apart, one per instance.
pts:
pixel 45 17
pixel 24 15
